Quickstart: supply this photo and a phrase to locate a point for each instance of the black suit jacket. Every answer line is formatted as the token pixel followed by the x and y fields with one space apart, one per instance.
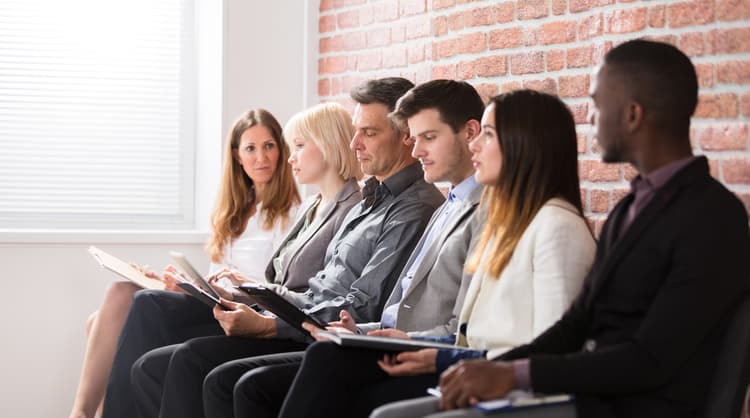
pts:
pixel 642 338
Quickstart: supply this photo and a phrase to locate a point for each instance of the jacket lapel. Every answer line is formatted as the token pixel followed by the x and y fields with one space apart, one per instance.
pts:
pixel 425 266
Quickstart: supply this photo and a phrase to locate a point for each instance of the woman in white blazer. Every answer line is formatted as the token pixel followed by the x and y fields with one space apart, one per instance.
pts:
pixel 532 255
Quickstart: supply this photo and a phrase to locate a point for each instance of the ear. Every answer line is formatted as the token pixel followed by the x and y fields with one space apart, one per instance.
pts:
pixel 633 116
pixel 472 129
pixel 406 138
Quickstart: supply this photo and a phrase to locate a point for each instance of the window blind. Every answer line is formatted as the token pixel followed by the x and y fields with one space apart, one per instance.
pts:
pixel 96 114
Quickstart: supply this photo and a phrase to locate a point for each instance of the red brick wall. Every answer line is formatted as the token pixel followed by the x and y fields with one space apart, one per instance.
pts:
pixel 551 45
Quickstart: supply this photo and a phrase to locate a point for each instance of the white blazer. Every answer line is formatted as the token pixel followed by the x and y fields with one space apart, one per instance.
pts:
pixel 544 275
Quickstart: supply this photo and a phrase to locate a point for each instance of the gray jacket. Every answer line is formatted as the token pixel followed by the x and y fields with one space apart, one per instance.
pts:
pixel 435 296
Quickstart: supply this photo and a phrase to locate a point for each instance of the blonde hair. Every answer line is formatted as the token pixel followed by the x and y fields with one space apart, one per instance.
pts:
pixel 330 127
pixel 237 200
pixel 537 139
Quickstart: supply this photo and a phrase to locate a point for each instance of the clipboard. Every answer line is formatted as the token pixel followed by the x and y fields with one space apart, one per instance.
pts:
pixel 115 265
pixel 383 343
pixel 282 308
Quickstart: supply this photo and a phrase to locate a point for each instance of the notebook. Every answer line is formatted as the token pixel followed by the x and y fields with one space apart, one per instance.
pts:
pixel 192 272
pixel 124 269
pixel 282 308
pixel 382 343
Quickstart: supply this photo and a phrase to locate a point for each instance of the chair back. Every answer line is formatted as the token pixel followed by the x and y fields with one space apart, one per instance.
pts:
pixel 732 375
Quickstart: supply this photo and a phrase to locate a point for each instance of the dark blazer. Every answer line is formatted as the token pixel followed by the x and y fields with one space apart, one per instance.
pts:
pixel 641 339
pixel 298 267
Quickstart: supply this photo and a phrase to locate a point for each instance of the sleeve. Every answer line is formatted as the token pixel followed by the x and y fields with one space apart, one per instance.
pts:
pixel 363 296
pixel 446 357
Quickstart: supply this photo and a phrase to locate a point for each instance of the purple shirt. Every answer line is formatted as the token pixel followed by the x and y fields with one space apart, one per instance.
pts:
pixel 643 188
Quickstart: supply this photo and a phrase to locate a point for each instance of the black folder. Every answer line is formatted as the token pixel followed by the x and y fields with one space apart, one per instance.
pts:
pixel 282 308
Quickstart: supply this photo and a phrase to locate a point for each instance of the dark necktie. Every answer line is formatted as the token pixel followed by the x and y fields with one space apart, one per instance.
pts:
pixel 372 193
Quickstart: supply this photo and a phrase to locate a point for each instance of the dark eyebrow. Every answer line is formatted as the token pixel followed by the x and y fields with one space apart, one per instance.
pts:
pixel 423 133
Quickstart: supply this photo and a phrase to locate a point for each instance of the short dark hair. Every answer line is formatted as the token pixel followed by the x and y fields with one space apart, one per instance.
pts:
pixel 383 90
pixel 660 78
pixel 456 101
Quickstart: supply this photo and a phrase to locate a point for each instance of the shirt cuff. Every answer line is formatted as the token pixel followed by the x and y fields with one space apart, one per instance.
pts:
pixel 522 374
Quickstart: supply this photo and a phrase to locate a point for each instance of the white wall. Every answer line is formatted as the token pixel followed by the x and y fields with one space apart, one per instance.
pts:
pixel 51 284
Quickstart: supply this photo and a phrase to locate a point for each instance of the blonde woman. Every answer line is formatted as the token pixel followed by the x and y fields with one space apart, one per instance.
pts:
pixel 256 203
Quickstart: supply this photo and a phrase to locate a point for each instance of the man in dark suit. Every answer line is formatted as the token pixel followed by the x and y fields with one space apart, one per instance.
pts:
pixel 642 338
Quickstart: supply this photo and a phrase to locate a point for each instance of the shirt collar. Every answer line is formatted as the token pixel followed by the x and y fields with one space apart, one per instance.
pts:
pixel 463 189
pixel 658 178
pixel 400 181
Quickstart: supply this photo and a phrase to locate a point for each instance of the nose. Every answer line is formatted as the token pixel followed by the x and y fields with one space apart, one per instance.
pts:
pixel 262 155
pixel 356 143
pixel 418 151
pixel 474 143
pixel 291 158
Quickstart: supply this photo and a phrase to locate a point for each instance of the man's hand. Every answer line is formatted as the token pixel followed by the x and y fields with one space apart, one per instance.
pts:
pixel 409 363
pixel 243 321
pixel 345 321
pixel 469 382
pixel 345 326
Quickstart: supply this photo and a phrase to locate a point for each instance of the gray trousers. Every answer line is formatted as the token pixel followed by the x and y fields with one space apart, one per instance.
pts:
pixel 428 407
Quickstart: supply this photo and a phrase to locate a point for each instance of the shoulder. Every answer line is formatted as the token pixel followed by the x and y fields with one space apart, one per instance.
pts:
pixel 558 218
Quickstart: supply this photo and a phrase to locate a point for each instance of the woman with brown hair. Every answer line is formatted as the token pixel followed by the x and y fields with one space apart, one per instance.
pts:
pixel 256 203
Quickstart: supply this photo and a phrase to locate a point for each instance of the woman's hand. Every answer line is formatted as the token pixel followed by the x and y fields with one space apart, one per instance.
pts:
pixel 243 321
pixel 410 363
pixel 234 277
pixel 170 279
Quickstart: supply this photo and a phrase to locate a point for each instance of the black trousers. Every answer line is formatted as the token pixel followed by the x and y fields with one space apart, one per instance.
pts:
pixel 221 400
pixel 168 381
pixel 331 382
pixel 155 319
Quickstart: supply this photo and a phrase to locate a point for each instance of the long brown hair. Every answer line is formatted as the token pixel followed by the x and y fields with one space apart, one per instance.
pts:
pixel 537 139
pixel 237 200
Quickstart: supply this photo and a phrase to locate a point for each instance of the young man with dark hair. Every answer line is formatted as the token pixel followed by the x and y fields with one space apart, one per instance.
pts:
pixel 443 117
pixel 642 339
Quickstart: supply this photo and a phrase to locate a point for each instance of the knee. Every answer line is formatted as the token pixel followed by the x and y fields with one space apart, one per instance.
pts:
pixel 249 388
pixel 119 296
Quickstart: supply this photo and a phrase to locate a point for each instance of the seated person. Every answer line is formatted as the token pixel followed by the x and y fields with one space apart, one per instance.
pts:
pixel 529 264
pixel 643 337
pixel 372 244
pixel 253 213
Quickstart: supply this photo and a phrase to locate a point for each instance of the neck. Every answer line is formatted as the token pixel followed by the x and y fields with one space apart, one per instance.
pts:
pixel 661 153
pixel 461 173
pixel 329 186
pixel 259 189
pixel 402 162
